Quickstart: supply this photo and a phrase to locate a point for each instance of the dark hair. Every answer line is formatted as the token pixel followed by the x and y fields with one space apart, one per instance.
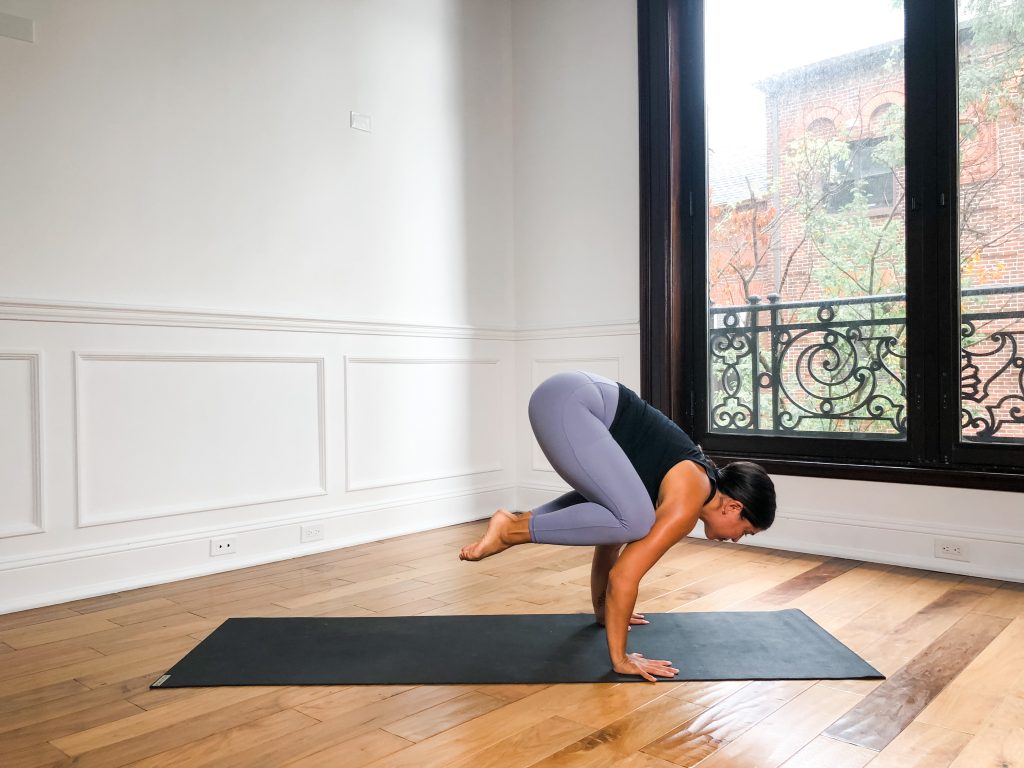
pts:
pixel 750 485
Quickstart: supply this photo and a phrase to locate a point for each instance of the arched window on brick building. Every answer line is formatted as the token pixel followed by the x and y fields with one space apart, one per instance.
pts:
pixel 867 170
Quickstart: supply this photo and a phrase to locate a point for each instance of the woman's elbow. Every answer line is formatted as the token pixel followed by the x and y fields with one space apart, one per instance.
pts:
pixel 621 582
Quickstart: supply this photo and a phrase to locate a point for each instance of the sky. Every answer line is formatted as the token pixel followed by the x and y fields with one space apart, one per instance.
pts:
pixel 750 40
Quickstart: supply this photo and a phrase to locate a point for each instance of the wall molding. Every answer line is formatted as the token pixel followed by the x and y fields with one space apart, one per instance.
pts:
pixel 67 554
pixel 51 311
pixel 38 523
pixel 82 517
pixel 399 481
pixel 618 328
pixel 48 311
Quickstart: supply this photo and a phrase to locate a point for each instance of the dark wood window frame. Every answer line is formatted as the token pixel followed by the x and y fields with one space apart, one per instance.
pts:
pixel 673 287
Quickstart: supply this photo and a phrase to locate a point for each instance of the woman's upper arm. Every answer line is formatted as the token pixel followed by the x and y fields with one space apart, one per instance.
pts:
pixel 673 522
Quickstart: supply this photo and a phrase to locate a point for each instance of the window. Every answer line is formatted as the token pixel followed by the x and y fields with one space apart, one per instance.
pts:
pixel 833 234
pixel 863 174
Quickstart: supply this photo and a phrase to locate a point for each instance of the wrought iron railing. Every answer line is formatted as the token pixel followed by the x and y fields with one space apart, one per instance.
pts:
pixel 839 366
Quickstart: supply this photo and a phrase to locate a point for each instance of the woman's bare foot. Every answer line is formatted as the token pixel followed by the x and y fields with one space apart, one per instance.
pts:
pixel 503 531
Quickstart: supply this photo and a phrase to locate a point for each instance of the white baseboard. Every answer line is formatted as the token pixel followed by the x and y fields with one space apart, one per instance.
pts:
pixel 92 573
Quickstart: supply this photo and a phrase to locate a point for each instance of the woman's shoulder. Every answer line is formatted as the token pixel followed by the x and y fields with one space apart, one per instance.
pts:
pixel 687 481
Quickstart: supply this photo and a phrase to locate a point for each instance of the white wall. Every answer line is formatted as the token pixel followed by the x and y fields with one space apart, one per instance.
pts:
pixel 576 226
pixel 576 162
pixel 225 312
pixel 197 154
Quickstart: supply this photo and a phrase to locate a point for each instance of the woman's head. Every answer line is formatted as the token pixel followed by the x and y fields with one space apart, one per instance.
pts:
pixel 749 484
pixel 744 504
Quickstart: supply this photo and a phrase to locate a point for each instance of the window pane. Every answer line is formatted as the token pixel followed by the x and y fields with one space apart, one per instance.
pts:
pixel 991 238
pixel 806 248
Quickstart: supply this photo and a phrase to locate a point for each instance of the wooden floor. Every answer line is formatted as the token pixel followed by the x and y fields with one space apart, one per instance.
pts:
pixel 74 678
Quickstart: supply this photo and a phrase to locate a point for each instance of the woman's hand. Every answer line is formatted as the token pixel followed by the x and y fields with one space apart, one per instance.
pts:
pixel 636 618
pixel 648 669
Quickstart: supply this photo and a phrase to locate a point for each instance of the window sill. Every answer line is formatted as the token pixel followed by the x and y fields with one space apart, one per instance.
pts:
pixel 947 476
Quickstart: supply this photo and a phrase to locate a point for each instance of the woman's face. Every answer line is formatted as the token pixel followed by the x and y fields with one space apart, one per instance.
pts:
pixel 727 524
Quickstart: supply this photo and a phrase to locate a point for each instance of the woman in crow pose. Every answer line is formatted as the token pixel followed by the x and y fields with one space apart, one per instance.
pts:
pixel 638 480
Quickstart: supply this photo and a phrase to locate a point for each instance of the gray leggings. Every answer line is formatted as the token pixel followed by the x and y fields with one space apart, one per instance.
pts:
pixel 571 414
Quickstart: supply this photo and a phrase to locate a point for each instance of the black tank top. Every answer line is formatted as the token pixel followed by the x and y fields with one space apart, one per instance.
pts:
pixel 653 443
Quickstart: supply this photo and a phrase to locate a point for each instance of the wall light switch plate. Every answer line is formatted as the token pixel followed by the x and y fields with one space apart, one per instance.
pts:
pixel 359 122
pixel 18 28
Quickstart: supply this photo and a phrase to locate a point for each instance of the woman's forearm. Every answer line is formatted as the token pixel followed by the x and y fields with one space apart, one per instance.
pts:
pixel 619 603
pixel 605 556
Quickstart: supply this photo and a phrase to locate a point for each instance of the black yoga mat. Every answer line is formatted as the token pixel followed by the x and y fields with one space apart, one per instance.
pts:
pixel 536 648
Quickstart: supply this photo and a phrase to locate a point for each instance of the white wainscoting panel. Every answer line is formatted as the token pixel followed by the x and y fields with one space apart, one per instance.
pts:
pixel 413 420
pixel 161 435
pixel 542 369
pixel 21 510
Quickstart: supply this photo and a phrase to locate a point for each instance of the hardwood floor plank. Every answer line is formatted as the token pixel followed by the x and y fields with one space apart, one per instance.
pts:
pixel 922 746
pixel 1000 740
pixel 617 741
pixel 105 752
pixel 786 731
pixel 203 702
pixel 80 699
pixel 149 658
pixel 341 722
pixel 52 631
pixel 890 634
pixel 176 626
pixel 52 728
pixel 1006 602
pixel 36 756
pixel 414 608
pixel 967 702
pixel 707 693
pixel 805 582
pixel 824 751
pixel 725 721
pixel 350 591
pixel 894 704
pixel 212 750
pixel 617 701
pixel 915 634
pixel 480 734
pixel 441 717
pixel 701 589
pixel 837 593
pixel 45 657
pixel 353 753
pixel 525 748
pixel 35 696
pixel 35 616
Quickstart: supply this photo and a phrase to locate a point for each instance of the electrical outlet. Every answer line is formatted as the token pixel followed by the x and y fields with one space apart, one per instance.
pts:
pixel 952 549
pixel 225 545
pixel 312 532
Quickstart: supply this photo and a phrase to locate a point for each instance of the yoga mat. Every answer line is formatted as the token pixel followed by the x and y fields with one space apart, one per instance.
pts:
pixel 533 648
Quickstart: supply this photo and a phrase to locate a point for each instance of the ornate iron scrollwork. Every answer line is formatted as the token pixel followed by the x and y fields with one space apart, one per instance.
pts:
pixel 999 395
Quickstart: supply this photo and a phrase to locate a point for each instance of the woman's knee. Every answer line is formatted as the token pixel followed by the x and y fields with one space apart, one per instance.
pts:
pixel 552 390
pixel 637 526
